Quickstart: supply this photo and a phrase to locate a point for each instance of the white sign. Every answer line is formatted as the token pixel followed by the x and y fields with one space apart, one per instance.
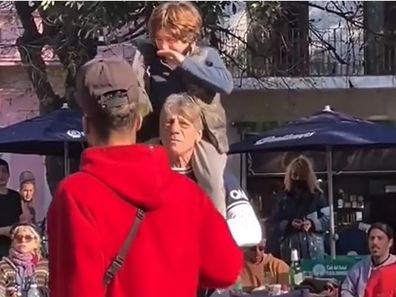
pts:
pixel 271 139
pixel 75 134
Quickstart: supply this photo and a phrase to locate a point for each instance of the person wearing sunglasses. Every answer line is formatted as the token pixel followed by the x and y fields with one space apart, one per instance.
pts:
pixel 262 268
pixel 24 269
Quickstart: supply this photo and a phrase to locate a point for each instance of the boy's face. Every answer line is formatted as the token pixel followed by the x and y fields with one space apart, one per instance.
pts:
pixel 164 40
pixel 4 176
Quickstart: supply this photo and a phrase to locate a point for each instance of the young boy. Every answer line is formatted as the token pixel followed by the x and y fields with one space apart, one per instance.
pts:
pixel 175 64
pixel 27 190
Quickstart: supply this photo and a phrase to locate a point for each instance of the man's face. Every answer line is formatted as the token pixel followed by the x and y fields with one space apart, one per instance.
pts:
pixel 4 176
pixel 379 243
pixel 178 134
pixel 256 253
pixel 164 40
pixel 27 191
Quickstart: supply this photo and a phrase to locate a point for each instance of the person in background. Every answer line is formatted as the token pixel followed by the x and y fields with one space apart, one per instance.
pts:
pixel 27 189
pixel 262 268
pixel 302 214
pixel 380 242
pixel 173 62
pixel 10 208
pixel 182 130
pixel 24 265
pixel 126 202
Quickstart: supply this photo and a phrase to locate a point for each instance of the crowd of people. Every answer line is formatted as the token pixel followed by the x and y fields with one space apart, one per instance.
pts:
pixel 154 208
pixel 23 263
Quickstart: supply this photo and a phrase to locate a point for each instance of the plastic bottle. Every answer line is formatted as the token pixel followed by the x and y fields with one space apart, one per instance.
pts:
pixel 33 290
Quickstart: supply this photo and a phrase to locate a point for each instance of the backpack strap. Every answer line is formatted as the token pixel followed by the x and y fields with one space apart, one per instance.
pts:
pixel 119 260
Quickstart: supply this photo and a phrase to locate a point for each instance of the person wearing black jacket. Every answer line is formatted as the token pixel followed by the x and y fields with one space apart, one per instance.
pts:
pixel 302 214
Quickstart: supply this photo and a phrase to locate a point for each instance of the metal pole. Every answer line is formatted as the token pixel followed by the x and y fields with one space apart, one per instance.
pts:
pixel 66 161
pixel 329 165
pixel 242 169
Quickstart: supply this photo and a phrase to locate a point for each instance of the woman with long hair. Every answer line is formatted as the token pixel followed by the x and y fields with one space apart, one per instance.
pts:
pixel 302 214
pixel 24 269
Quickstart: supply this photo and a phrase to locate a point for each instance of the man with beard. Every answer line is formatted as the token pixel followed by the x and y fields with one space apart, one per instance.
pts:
pixel 380 240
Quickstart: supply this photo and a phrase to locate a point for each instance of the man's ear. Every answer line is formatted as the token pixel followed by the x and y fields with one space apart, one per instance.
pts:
pixel 199 137
pixel 138 122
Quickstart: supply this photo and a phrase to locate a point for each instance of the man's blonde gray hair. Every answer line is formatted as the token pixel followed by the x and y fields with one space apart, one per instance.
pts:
pixel 183 105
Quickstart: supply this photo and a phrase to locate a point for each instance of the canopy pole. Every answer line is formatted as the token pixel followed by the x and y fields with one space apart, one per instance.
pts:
pixel 66 160
pixel 329 165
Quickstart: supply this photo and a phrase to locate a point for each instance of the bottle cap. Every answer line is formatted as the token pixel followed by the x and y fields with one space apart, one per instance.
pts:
pixel 294 255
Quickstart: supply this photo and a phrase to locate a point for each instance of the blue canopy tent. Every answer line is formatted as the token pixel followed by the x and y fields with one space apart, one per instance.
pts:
pixel 324 131
pixel 59 133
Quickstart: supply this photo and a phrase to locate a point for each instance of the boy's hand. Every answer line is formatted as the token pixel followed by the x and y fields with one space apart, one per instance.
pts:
pixel 296 224
pixel 171 55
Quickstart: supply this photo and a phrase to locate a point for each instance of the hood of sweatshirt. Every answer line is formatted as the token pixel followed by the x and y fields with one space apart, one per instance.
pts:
pixel 137 173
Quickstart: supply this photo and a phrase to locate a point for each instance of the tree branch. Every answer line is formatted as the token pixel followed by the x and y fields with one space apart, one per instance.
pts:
pixel 30 47
pixel 329 47
pixel 340 14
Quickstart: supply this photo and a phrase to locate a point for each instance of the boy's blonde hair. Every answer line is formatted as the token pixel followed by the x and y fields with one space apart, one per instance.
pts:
pixel 182 19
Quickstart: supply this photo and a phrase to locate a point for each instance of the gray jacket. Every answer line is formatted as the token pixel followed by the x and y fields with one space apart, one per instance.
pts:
pixel 203 75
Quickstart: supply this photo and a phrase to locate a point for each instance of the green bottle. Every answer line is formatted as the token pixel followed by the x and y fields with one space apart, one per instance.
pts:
pixel 238 287
pixel 295 272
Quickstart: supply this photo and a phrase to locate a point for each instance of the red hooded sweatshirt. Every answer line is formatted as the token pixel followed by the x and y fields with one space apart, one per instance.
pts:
pixel 382 283
pixel 183 242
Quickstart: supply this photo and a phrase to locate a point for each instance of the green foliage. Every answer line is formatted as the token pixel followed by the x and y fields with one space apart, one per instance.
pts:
pixel 75 28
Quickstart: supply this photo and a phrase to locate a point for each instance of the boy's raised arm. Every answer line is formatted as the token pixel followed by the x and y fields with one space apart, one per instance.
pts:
pixel 209 69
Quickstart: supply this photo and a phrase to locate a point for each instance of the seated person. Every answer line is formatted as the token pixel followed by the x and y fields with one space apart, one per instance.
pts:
pixel 260 265
pixel 24 266
pixel 380 240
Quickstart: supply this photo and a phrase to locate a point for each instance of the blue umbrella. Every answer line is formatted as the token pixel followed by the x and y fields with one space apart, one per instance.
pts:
pixel 319 132
pixel 59 133
pixel 324 131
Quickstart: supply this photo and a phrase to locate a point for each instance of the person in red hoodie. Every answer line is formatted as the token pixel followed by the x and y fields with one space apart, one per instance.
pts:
pixel 382 283
pixel 126 209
